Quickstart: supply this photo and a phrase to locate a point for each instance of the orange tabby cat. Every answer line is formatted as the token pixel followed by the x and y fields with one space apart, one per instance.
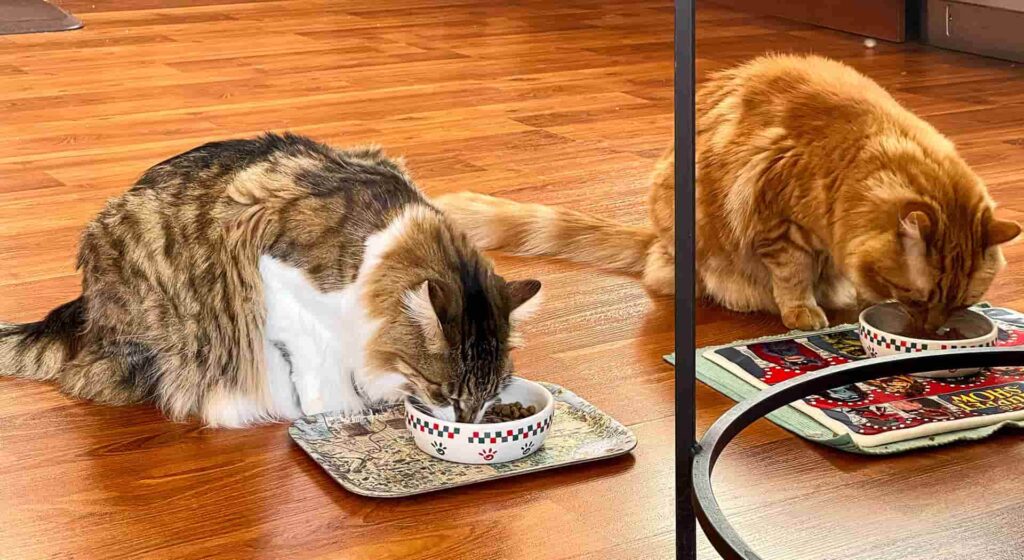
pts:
pixel 815 188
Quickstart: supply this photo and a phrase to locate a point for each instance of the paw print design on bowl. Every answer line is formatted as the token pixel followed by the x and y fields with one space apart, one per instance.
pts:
pixel 485 443
pixel 439 447
pixel 488 454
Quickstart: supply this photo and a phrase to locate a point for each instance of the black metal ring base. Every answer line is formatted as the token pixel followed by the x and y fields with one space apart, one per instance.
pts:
pixel 723 537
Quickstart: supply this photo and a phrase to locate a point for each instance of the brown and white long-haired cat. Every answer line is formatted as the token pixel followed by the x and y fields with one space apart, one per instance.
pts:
pixel 815 188
pixel 263 279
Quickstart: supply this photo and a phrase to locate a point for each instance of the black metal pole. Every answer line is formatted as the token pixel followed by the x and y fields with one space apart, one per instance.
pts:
pixel 685 221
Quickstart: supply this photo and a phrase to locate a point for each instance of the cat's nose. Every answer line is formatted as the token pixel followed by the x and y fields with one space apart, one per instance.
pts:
pixel 467 415
pixel 936 319
pixel 917 313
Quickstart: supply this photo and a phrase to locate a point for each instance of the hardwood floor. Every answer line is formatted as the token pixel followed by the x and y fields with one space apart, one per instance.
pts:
pixel 566 103
pixel 795 500
pixel 558 103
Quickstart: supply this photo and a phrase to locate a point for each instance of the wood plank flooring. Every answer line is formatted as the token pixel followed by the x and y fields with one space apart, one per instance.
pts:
pixel 566 103
pixel 556 103
pixel 796 500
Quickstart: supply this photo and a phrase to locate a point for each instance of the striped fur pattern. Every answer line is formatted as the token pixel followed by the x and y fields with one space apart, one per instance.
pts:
pixel 172 306
pixel 815 190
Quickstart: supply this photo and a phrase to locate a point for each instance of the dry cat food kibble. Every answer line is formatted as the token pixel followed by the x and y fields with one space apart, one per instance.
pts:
pixel 507 412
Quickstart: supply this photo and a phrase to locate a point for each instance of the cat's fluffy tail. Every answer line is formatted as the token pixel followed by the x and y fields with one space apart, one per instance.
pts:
pixel 534 229
pixel 38 350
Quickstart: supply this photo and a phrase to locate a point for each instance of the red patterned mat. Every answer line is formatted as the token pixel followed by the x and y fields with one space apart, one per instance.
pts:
pixel 886 410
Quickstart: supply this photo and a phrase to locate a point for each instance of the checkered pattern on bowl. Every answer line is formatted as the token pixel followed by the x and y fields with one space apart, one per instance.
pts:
pixel 505 436
pixel 474 443
pixel 484 436
pixel 909 346
pixel 432 428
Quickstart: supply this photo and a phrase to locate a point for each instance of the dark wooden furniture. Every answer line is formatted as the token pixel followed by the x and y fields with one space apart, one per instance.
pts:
pixel 987 27
pixel 881 19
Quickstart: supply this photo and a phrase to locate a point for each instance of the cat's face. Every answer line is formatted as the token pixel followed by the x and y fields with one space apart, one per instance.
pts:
pixel 933 262
pixel 456 337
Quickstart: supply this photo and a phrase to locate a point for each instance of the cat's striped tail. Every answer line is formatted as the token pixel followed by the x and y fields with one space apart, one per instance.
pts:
pixel 535 229
pixel 38 350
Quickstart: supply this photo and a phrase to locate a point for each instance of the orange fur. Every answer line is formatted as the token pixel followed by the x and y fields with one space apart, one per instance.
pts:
pixel 815 188
pixel 535 229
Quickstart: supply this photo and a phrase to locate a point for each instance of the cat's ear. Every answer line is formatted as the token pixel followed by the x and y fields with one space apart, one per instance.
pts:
pixel 524 298
pixel 1002 231
pixel 915 221
pixel 421 305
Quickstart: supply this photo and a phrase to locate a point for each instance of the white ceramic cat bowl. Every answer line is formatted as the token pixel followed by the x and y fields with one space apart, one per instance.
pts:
pixel 880 324
pixel 486 443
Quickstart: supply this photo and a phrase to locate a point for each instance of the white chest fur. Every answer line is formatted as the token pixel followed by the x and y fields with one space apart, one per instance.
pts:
pixel 314 342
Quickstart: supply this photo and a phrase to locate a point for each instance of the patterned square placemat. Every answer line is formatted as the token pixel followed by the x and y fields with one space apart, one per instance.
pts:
pixel 375 455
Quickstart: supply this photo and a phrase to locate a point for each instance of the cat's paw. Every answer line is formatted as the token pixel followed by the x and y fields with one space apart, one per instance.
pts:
pixel 805 318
